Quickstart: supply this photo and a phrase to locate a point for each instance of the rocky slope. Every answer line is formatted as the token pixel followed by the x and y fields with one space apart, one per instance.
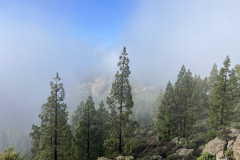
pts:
pixel 226 146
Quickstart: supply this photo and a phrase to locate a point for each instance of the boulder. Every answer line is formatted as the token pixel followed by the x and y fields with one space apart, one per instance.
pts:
pixel 215 146
pixel 184 152
pixel 236 148
pixel 175 140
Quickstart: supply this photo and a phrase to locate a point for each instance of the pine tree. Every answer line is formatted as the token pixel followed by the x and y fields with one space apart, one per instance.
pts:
pixel 102 128
pixel 213 77
pixel 156 105
pixel 85 137
pixel 183 97
pixel 236 111
pixel 76 117
pixel 222 97
pixel 165 123
pixel 35 135
pixel 120 102
pixel 52 139
pixel 9 154
pixel 200 102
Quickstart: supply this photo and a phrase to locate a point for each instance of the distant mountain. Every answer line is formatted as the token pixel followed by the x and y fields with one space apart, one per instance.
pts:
pixel 144 96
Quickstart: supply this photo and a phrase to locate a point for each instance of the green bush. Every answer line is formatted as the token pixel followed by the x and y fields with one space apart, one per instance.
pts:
pixel 210 135
pixel 135 146
pixel 206 156
pixel 183 141
pixel 229 154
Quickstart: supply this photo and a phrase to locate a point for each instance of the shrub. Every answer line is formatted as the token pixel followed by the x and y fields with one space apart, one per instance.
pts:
pixel 229 154
pixel 206 156
pixel 134 146
pixel 210 135
pixel 183 141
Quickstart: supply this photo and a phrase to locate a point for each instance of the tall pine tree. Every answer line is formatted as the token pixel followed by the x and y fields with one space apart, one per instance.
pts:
pixel 85 138
pixel 102 128
pixel 52 139
pixel 213 77
pixel 165 123
pixel 76 117
pixel 183 98
pixel 120 103
pixel 222 97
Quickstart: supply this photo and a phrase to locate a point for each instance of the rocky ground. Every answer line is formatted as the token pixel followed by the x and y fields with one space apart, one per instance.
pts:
pixel 226 146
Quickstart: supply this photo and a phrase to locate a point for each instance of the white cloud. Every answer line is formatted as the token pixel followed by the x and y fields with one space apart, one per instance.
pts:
pixel 163 35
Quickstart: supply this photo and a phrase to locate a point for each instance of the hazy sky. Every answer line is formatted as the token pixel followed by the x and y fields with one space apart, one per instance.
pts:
pixel 81 39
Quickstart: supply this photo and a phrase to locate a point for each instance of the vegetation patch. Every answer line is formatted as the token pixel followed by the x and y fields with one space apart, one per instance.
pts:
pixel 206 156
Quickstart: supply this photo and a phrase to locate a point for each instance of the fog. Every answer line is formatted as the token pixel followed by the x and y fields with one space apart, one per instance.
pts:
pixel 160 36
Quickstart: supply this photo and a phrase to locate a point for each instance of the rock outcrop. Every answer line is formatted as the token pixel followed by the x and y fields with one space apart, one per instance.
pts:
pixel 229 139
pixel 215 146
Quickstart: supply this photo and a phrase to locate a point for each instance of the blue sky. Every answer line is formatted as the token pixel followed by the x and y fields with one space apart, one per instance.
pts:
pixel 88 19
pixel 83 39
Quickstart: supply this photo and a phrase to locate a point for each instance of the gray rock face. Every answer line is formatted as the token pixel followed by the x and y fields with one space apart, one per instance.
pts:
pixel 215 146
pixel 236 148
pixel 184 152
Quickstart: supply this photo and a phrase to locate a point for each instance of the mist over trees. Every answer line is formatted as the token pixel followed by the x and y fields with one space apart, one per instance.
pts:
pixel 192 107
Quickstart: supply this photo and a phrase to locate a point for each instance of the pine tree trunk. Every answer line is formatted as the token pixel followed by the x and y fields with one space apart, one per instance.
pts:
pixel 224 92
pixel 120 123
pixel 88 139
pixel 101 136
pixel 55 132
pixel 120 130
